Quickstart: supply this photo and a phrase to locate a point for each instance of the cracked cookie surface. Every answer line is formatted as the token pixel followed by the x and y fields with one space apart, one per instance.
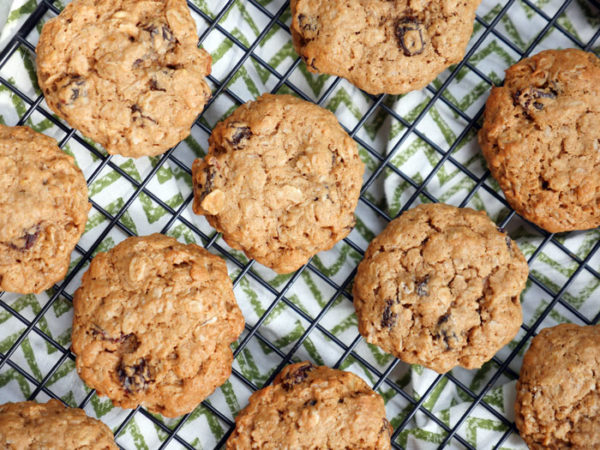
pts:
pixel 281 181
pixel 31 425
pixel 440 287
pixel 310 407
pixel 558 392
pixel 126 73
pixel 382 46
pixel 541 139
pixel 153 322
pixel 43 210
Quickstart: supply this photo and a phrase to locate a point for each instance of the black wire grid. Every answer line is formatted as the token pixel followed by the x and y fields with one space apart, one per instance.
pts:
pixel 20 41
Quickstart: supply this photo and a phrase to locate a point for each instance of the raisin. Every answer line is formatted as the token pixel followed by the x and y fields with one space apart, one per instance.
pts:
pixel 29 239
pixel 76 86
pixel 389 318
pixel 409 32
pixel 443 319
pixel 136 377
pixel 310 403
pixel 422 288
pixel 447 336
pixel 167 34
pixel 528 98
pixel 154 86
pixel 385 428
pixel 152 29
pixel 129 342
pixel 161 30
pixel 297 376
pixel 137 63
pixel 551 94
pixel 240 134
pixel 135 109
pixel 97 331
pixel 442 330
pixel 307 23
pixel 208 184
pixel 506 238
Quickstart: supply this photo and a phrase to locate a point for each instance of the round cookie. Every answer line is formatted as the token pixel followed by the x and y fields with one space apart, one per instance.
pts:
pixel 281 181
pixel 126 73
pixel 440 287
pixel 382 46
pixel 309 407
pixel 540 137
pixel 43 210
pixel 153 321
pixel 31 425
pixel 558 397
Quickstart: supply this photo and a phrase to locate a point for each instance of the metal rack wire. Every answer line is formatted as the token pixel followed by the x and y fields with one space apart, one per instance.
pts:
pixel 20 41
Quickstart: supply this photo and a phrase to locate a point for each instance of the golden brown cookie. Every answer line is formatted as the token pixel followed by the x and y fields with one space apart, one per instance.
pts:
pixel 51 426
pixel 313 407
pixel 153 322
pixel 558 392
pixel 43 210
pixel 541 139
pixel 126 73
pixel 281 181
pixel 440 287
pixel 382 46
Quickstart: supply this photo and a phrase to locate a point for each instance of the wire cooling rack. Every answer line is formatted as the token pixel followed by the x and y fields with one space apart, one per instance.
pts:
pixel 549 19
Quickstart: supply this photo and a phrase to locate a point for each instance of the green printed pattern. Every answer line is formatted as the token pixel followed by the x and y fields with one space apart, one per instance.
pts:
pixel 115 184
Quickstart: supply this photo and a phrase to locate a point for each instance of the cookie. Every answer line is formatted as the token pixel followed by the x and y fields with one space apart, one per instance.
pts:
pixel 558 402
pixel 30 425
pixel 126 73
pixel 382 46
pixel 540 137
pixel 310 407
pixel 153 322
pixel 43 210
pixel 281 181
pixel 440 287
